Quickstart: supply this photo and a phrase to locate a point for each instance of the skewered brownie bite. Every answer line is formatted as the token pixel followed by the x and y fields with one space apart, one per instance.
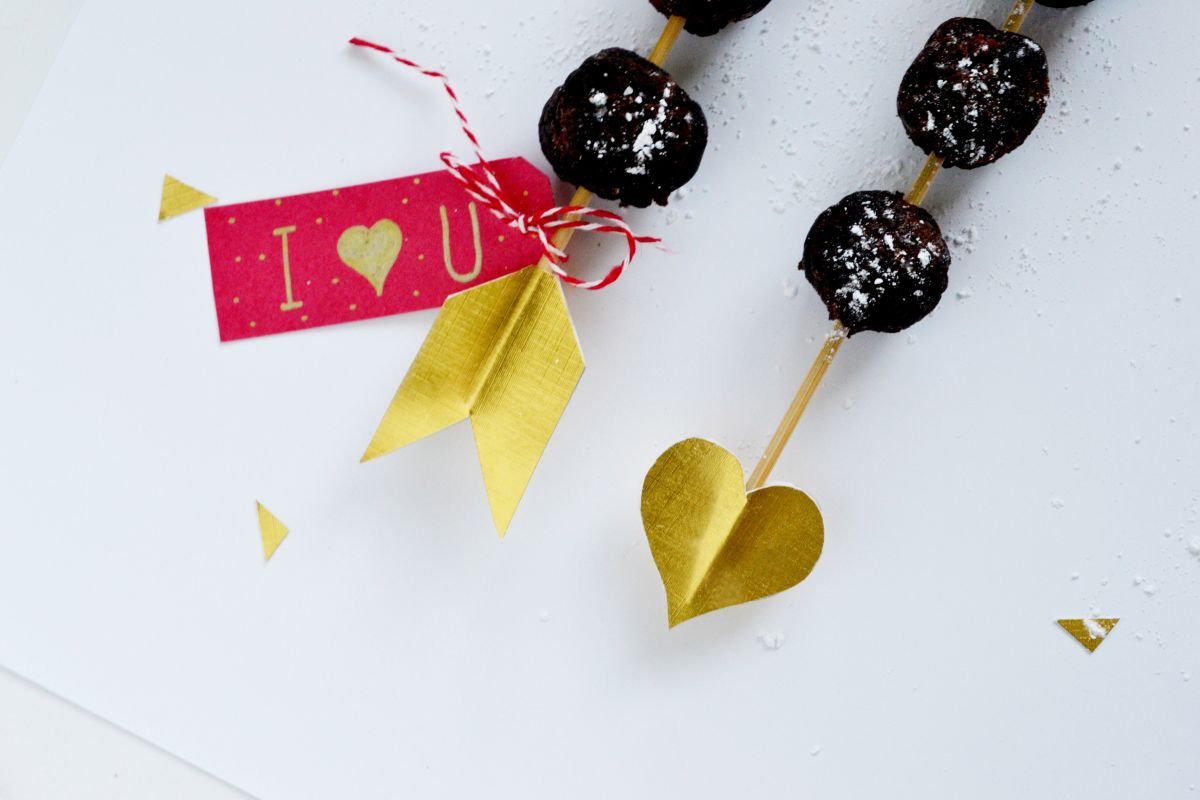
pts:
pixel 706 17
pixel 624 129
pixel 877 261
pixel 1064 3
pixel 974 93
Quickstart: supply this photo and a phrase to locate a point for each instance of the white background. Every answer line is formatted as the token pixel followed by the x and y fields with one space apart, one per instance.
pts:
pixel 49 748
pixel 1026 453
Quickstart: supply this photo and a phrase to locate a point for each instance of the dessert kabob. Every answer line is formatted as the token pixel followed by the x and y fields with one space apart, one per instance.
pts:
pixel 504 354
pixel 878 261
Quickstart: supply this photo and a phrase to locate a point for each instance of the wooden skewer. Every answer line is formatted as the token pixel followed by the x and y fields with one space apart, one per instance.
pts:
pixel 800 402
pixel 582 196
pixel 561 237
pixel 833 342
pixel 1016 17
pixel 920 187
pixel 820 365
pixel 666 40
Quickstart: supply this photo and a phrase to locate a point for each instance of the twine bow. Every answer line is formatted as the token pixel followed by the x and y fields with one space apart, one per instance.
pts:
pixel 480 182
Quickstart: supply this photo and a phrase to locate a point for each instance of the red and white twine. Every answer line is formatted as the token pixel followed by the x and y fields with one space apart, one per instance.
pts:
pixel 480 182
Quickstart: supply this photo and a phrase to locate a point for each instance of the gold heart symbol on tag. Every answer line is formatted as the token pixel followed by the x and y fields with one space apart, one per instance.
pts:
pixel 714 544
pixel 371 252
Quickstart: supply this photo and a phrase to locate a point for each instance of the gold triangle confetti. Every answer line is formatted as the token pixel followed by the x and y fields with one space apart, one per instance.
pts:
pixel 179 198
pixel 1089 632
pixel 272 530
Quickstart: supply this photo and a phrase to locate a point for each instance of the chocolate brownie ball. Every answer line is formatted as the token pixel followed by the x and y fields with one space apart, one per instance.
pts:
pixel 878 262
pixel 1063 3
pixel 974 93
pixel 706 17
pixel 624 129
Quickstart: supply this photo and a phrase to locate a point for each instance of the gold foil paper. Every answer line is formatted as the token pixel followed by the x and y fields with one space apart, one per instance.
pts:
pixel 272 531
pixel 1090 633
pixel 179 198
pixel 715 545
pixel 371 252
pixel 505 355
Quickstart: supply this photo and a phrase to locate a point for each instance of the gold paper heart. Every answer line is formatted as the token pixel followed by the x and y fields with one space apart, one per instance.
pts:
pixel 371 252
pixel 715 545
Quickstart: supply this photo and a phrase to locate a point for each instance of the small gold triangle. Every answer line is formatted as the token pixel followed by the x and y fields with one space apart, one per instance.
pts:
pixel 273 531
pixel 179 198
pixel 1090 633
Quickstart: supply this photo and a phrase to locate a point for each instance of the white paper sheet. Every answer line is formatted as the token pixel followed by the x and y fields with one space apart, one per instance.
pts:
pixel 1027 453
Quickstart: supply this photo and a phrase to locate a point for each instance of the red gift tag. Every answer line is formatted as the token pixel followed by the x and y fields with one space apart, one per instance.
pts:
pixel 363 251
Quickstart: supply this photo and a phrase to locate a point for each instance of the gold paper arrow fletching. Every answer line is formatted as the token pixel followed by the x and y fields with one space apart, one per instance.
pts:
pixel 505 355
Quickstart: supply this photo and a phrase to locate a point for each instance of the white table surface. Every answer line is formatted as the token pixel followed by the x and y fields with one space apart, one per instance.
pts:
pixel 394 644
pixel 51 749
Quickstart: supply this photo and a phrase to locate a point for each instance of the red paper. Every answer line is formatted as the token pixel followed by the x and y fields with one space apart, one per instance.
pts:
pixel 362 251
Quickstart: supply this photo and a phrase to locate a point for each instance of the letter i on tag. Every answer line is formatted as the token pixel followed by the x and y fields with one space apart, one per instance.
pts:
pixel 290 304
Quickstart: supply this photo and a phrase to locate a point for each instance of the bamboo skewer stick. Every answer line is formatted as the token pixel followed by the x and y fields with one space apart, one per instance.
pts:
pixel 833 342
pixel 1016 17
pixel 920 187
pixel 808 388
pixel 658 56
pixel 666 40
pixel 820 365
pixel 562 236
